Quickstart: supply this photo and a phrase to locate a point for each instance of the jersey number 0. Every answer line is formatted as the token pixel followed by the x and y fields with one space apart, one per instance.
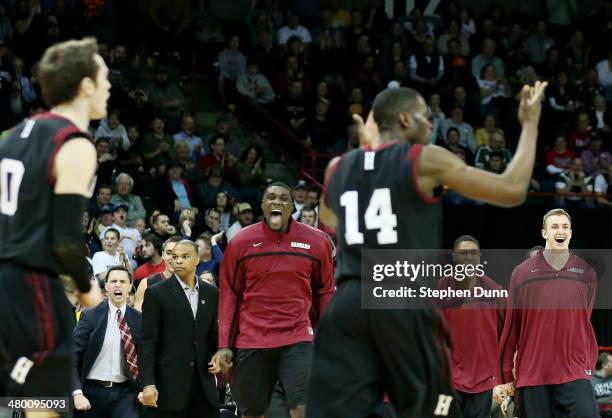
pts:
pixel 379 215
pixel 11 175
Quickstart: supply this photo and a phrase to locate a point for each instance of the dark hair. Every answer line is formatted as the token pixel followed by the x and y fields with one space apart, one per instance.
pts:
pixel 113 230
pixel 307 209
pixel 156 217
pixel 118 268
pixel 496 154
pixel 277 184
pixel 389 103
pixel 464 238
pixel 64 66
pixel 257 148
pixel 211 210
pixel 175 239
pixel 452 129
pixel 104 186
pixel 155 240
pixel 601 360
pixel 214 141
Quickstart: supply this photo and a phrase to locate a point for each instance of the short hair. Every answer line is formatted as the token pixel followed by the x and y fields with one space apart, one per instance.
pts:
pixel 125 176
pixel 496 154
pixel 555 212
pixel 113 230
pixel 464 238
pixel 390 102
pixel 189 243
pixel 206 240
pixel 453 129
pixel 174 239
pixel 64 66
pixel 278 184
pixel 155 240
pixel 209 210
pixel 104 186
pixel 118 268
pixel 155 218
pixel 601 360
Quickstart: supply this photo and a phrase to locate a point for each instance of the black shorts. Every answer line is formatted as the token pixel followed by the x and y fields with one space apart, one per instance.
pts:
pixel 571 399
pixel 256 372
pixel 362 354
pixel 36 323
pixel 476 405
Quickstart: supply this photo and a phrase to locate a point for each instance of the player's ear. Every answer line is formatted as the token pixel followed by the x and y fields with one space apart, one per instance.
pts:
pixel 406 121
pixel 544 233
pixel 88 86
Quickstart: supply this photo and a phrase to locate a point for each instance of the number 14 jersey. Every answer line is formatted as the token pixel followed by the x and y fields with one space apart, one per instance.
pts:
pixel 375 197
pixel 26 189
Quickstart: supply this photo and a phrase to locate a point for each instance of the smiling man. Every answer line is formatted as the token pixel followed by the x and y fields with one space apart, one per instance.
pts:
pixel 276 281
pixel 556 344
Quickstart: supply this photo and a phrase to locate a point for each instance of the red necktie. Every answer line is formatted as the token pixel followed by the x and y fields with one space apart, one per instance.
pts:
pixel 128 346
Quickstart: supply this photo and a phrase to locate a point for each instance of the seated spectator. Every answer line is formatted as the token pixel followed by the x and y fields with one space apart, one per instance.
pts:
pixel 399 75
pixel 468 27
pixel 166 98
pixel 215 183
pixel 356 103
pixel 603 188
pixel 232 64
pixel 124 196
pixel 589 89
pixel 160 226
pixel 225 208
pixel 141 225
pixel 292 72
pixel 215 158
pixel 187 135
pixel 396 51
pixel 462 98
pixel 131 161
pixel 292 110
pixel 453 144
pixel 151 254
pixel 596 161
pixel 293 28
pixel 176 193
pixel 121 75
pixel 268 57
pixel 297 48
pixel 484 133
pixel 191 171
pixel 105 219
pixel 604 73
pixel 245 218
pixel 602 380
pixel 454 32
pixel 129 237
pixel 156 148
pixel 497 145
pixel 495 93
pixel 466 133
pixel 111 255
pixel 210 254
pixel 251 168
pixel 496 163
pixel 223 127
pixel 355 30
pixel 188 226
pixel 299 198
pixel 106 163
pixel 486 57
pixel 575 181
pixel 103 197
pixel 487 30
pixel 363 49
pixel 255 85
pixel 551 65
pixel 577 54
pixel 24 96
pixel 421 30
pixel 539 42
pixel 561 98
pixel 308 216
pixel 322 128
pixel 212 220
pixel 601 118
pixel 138 111
pixel 579 138
pixel 560 157
pixel 426 67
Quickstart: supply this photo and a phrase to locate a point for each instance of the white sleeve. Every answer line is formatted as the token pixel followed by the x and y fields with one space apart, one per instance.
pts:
pixel 601 185
pixel 99 266
pixel 552 169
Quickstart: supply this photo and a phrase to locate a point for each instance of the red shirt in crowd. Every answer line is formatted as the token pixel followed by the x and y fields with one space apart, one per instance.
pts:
pixel 554 346
pixel 579 139
pixel 560 159
pixel 146 270
pixel 274 286
pixel 475 327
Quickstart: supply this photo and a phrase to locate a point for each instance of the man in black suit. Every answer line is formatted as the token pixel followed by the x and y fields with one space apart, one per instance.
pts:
pixel 179 337
pixel 106 343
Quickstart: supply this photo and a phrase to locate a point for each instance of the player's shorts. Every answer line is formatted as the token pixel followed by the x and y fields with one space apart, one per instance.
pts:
pixel 256 371
pixel 362 354
pixel 36 323
pixel 571 399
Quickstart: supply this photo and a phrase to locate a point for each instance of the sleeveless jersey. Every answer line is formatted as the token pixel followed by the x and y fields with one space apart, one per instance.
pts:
pixel 26 189
pixel 376 200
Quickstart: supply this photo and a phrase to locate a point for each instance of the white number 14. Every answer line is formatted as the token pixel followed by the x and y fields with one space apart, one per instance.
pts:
pixel 379 215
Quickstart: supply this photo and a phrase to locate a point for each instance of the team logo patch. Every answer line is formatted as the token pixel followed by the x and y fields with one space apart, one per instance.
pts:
pixel 300 245
pixel 576 270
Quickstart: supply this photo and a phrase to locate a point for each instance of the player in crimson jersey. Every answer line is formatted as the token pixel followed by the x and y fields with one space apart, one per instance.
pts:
pixel 552 332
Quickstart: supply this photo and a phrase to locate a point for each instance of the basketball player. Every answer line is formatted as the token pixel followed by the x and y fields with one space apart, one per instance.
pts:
pixel 47 167
pixel 557 349
pixel 383 197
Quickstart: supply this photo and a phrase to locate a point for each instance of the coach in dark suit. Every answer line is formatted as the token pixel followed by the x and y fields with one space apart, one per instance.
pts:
pixel 106 343
pixel 179 337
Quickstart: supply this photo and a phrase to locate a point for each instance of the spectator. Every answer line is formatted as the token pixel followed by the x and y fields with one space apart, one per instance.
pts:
pixel 105 219
pixel 560 157
pixel 160 226
pixel 212 220
pixel 210 255
pixel 453 144
pixel 111 255
pixel 250 168
pixel 495 92
pixel 453 32
pixel 141 225
pixel 223 127
pixel 156 148
pixel 589 88
pixel 321 128
pixel 577 54
pixel 266 55
pixel 131 161
pixel 579 138
pixel 151 254
pixel 107 374
pixel 138 111
pixel 603 188
pixel 497 144
pixel 215 183
pixel 106 164
pixel 112 129
pixel 178 340
pixel 488 128
pixel 103 197
pixel 130 237
pixel 602 379
pixel 182 152
pixel 124 196
pixel 466 133
pixel 176 193
pixel 293 110
pixel 596 161
pixel 255 85
pixel 426 67
pixel 487 31
pixel 496 163
pixel 166 98
pixel 187 135
pixel 539 42
pixel 468 27
pixel 24 95
pixel 6 27
pixel 293 28
pixel 187 225
pixel 224 207
pixel 299 198
pixel 232 64
pixel 308 282
pixel 575 181
pixel 486 57
pixel 604 74
pixel 121 74
pixel 376 19
pixel 460 97
pixel 601 117
pixel 245 218
pixel 395 61
pixel 355 30
pixel 312 197
pixel 308 216
pixel 562 99
pixel 216 157
pixel 436 116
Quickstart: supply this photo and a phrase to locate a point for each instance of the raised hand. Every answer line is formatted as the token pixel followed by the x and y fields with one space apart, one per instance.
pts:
pixel 530 107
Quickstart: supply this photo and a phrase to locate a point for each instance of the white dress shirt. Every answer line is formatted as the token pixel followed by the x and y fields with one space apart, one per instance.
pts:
pixel 192 295
pixel 110 365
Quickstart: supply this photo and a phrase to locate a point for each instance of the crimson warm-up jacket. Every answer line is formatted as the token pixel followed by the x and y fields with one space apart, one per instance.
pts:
pixel 274 286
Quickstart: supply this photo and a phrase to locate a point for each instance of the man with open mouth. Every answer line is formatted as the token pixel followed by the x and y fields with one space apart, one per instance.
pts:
pixel 276 280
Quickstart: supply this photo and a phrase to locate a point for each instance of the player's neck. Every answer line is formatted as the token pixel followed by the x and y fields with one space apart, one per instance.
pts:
pixel 388 136
pixel 167 274
pixel 556 258
pixel 75 112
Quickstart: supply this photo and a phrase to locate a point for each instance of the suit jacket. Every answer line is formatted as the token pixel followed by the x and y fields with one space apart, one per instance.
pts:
pixel 88 337
pixel 174 343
